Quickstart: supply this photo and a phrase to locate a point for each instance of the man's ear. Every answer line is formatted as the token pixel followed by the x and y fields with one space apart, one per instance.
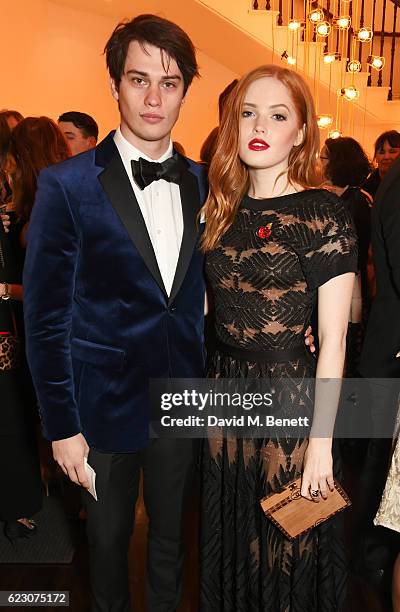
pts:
pixel 301 134
pixel 92 141
pixel 183 100
pixel 114 89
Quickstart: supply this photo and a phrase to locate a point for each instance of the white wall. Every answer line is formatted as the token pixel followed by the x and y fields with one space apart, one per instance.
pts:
pixel 51 62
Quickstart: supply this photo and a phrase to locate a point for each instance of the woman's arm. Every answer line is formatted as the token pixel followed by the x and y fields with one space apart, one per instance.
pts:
pixel 356 301
pixel 334 300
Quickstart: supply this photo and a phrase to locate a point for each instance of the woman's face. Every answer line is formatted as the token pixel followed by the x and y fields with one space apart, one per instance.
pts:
pixel 385 156
pixel 269 126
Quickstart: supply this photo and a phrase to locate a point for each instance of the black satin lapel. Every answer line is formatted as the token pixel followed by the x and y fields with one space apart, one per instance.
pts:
pixel 118 188
pixel 190 199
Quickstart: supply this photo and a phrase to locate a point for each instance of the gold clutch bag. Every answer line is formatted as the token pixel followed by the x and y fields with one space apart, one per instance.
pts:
pixel 295 515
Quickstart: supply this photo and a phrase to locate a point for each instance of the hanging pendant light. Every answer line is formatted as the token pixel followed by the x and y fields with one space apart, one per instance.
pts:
pixel 316 15
pixel 324 121
pixel 343 22
pixel 330 57
pixel 376 61
pixel 353 66
pixel 323 28
pixel 349 93
pixel 289 59
pixel 294 25
pixel 334 134
pixel 364 35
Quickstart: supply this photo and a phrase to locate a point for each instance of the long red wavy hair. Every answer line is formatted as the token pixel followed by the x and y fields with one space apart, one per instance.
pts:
pixel 35 143
pixel 229 176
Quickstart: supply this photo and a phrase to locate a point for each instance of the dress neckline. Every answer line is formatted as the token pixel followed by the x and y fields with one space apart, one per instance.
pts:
pixel 276 201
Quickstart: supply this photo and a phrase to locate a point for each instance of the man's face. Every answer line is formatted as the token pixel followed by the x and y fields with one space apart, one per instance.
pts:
pixel 149 96
pixel 78 142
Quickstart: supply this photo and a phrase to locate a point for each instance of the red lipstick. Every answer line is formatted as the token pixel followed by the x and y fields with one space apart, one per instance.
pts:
pixel 257 144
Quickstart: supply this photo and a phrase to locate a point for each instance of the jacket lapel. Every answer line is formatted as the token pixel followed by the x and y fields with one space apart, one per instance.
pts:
pixel 118 188
pixel 190 200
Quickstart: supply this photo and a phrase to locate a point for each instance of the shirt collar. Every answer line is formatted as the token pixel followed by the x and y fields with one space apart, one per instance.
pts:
pixel 129 152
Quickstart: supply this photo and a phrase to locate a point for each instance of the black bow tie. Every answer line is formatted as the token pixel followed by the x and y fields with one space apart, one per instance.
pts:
pixel 145 172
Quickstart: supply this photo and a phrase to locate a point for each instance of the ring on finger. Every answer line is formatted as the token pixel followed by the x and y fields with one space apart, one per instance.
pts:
pixel 314 492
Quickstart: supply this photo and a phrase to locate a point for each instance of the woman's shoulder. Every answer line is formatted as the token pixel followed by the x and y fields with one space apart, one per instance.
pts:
pixel 321 204
pixel 321 197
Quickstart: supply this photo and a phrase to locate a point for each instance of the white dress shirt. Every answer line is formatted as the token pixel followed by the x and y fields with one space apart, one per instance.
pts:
pixel 161 207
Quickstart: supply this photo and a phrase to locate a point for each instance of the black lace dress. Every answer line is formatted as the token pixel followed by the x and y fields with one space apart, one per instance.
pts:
pixel 264 278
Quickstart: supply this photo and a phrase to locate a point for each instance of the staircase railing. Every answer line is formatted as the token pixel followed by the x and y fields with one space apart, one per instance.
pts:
pixel 379 18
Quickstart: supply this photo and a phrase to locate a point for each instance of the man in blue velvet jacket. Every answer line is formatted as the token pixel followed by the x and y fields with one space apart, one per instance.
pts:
pixel 114 296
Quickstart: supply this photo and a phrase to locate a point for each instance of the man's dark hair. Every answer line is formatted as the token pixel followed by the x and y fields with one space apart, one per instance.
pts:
pixel 347 162
pixel 392 137
pixel 83 122
pixel 224 95
pixel 156 31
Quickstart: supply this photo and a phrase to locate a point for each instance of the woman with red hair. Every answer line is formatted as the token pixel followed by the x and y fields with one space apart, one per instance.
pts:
pixel 276 246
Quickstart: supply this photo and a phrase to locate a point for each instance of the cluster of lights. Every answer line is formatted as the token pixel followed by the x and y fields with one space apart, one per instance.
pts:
pixel 349 93
pixel 323 28
pixel 353 66
pixel 289 59
pixel 376 61
pixel 324 121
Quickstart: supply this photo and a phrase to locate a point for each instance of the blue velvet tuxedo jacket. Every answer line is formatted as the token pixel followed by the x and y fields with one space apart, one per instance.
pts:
pixel 98 320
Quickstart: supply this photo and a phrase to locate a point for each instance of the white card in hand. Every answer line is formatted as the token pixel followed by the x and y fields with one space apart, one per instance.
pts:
pixel 91 474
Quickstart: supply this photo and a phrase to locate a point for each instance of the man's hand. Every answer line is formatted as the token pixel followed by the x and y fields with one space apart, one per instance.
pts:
pixel 309 339
pixel 70 455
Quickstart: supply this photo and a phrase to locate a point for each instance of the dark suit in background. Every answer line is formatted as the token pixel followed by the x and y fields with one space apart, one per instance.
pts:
pixel 380 364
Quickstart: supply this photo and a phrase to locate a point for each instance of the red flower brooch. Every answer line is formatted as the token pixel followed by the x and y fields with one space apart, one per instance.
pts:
pixel 264 231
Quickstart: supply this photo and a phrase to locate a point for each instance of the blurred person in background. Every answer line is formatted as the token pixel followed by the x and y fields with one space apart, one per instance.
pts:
pixel 9 119
pixel 208 147
pixel 33 144
pixel 12 117
pixel 345 166
pixel 377 548
pixel 386 151
pixel 80 130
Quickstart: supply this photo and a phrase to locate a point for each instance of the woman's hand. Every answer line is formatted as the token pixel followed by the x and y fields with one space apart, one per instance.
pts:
pixel 309 339
pixel 317 470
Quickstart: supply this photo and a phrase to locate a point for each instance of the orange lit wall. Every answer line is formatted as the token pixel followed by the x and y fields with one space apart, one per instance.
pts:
pixel 51 62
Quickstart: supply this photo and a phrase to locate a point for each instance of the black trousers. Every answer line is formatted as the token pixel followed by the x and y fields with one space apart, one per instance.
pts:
pixel 376 547
pixel 167 469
